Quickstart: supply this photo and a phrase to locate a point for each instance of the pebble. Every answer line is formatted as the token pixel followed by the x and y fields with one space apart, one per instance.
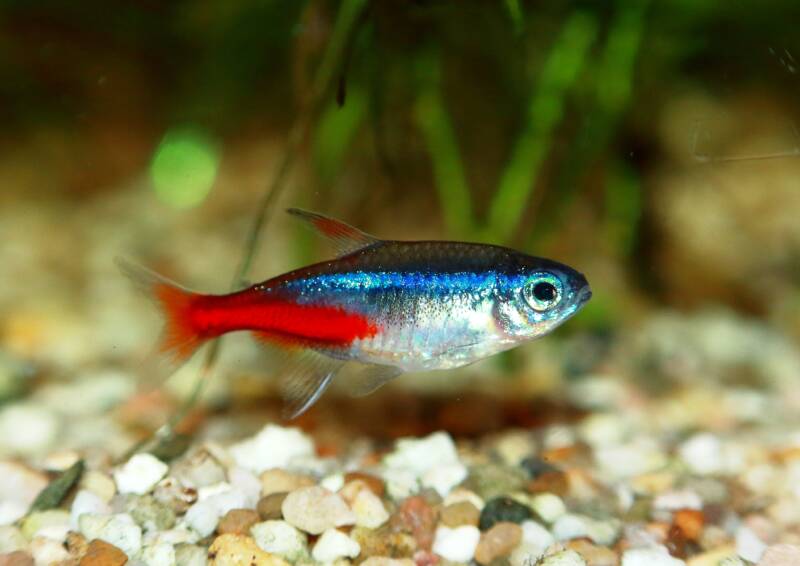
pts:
pixel 212 503
pixel 462 494
pixel 27 429
pixel 548 506
pixel 491 480
pixel 20 484
pixel 374 483
pixel 780 555
pixel 387 561
pixel 369 510
pixel 573 526
pixel 99 484
pixel 119 530
pixel 47 551
pixel 593 554
pixel 654 556
pixel 417 517
pixel 634 458
pixel 444 477
pixel 748 545
pixel 333 545
pixel 281 538
pixel 11 512
pixel 236 550
pixel 39 521
pixel 171 493
pixel 150 514
pixel 503 509
pixel 272 447
pixel 498 541
pixel 281 481
pixel 198 469
pixel 190 555
pixel 705 454
pixel 140 474
pixel 102 553
pixel 87 502
pixel 458 514
pixel 160 554
pixel 675 500
pixel 269 507
pixel 11 539
pixel 238 521
pixel 315 509
pixel 419 455
pixel 16 558
pixel 456 545
pixel 563 558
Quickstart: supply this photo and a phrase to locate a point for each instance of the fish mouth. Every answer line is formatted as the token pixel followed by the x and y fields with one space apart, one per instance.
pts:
pixel 584 295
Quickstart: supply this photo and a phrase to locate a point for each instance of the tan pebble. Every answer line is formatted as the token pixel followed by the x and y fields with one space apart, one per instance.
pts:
pixel 100 484
pixel 238 521
pixel 236 550
pixel 277 481
pixel 593 554
pixel 690 522
pixel 555 482
pixel 269 506
pixel 712 557
pixel 373 482
pixel 780 555
pixel 101 553
pixel 77 545
pixel 315 509
pixel 16 558
pixel 458 514
pixel 498 541
pixel 386 561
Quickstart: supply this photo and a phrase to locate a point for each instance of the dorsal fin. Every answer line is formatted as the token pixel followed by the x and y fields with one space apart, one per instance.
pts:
pixel 344 237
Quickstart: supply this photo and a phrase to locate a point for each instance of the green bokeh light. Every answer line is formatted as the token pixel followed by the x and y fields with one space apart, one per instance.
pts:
pixel 184 167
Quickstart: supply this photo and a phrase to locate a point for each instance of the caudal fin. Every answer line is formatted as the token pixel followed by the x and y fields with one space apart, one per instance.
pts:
pixel 179 339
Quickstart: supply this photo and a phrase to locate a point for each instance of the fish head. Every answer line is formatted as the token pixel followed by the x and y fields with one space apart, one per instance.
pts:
pixel 538 297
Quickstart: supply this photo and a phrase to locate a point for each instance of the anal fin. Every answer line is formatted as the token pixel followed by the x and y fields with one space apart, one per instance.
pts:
pixel 367 379
pixel 304 378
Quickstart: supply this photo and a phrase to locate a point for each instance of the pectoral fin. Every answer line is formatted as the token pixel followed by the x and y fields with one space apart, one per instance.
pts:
pixel 304 378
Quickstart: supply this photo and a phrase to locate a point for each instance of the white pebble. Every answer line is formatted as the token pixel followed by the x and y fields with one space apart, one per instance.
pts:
pixel 27 429
pixel 456 545
pixel 748 545
pixel 213 502
pixel 637 457
pixel 11 512
pixel 119 530
pixel 333 482
pixel 160 554
pixel 705 454
pixel 677 500
pixel 140 474
pixel 87 502
pixel 573 526
pixel 535 541
pixel 444 477
pixel 653 556
pixel 314 509
pixel 47 551
pixel 460 494
pixel 333 545
pixel 400 483
pixel 548 506
pixel 420 455
pixel 272 447
pixel 281 538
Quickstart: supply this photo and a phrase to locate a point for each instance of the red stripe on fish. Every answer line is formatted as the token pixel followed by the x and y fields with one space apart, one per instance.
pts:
pixel 282 321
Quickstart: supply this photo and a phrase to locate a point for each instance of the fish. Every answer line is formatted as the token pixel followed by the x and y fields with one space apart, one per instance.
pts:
pixel 387 306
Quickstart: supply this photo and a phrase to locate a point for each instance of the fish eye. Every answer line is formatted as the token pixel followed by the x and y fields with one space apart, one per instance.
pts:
pixel 543 291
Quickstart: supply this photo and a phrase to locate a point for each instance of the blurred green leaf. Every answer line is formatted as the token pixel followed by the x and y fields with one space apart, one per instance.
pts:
pixel 336 130
pixel 545 109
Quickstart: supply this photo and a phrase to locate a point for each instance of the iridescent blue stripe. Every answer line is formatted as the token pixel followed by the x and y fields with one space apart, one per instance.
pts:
pixel 365 281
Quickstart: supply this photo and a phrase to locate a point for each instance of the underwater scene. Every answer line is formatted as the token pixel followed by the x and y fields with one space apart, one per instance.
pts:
pixel 400 283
